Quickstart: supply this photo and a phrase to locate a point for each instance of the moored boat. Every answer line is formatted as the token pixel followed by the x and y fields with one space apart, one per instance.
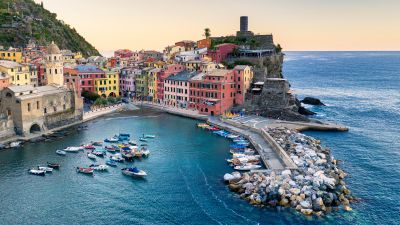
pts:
pixel 124 134
pixel 149 136
pixel 37 172
pixel 111 163
pixel 132 142
pixel 53 165
pixel 110 148
pixel 117 158
pixel 91 156
pixel 98 153
pixel 97 143
pixel 100 167
pixel 247 167
pixel 45 168
pixel 73 149
pixel 142 139
pixel 61 152
pixel 134 172
pixel 90 147
pixel 111 140
pixel 84 170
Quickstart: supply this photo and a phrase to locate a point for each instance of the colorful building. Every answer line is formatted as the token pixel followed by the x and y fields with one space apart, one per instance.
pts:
pixel 168 70
pixel 176 89
pixel 221 52
pixel 19 73
pixel 204 43
pixel 152 84
pixel 109 85
pixel 123 53
pixel 142 88
pixel 11 54
pixel 243 79
pixel 212 93
pixel 87 75
pixel 127 81
pixel 4 80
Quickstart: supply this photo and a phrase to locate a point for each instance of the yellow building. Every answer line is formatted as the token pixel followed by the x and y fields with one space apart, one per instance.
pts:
pixel 193 65
pixel 19 73
pixel 12 55
pixel 107 85
pixel 152 83
pixel 78 55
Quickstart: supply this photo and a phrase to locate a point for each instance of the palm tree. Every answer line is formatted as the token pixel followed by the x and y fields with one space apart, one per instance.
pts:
pixel 207 32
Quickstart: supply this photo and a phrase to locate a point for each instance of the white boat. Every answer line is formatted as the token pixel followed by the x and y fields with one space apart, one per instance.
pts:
pixel 240 155
pixel 37 172
pixel 117 157
pixel 149 136
pixel 247 167
pixel 232 136
pixel 15 144
pixel 73 149
pixel 91 156
pixel 145 152
pixel 134 172
pixel 61 152
pixel 101 167
pixel 45 169
pixel 131 142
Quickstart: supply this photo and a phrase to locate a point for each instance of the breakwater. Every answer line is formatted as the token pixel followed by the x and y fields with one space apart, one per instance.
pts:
pixel 316 187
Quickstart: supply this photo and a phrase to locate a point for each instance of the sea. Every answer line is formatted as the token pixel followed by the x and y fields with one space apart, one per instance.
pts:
pixel 185 168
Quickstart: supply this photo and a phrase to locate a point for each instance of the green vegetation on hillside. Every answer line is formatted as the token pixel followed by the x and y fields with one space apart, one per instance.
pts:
pixel 22 20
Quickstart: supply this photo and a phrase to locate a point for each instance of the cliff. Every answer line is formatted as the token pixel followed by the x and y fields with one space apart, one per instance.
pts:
pixel 24 20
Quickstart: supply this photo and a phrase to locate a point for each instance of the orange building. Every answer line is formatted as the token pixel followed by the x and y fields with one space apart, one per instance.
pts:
pixel 204 43
pixel 4 80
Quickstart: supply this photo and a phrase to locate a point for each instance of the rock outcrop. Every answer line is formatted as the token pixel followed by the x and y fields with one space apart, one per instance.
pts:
pixel 312 101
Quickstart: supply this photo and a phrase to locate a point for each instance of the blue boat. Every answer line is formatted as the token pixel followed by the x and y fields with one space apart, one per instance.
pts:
pixel 124 135
pixel 111 163
pixel 111 140
pixel 236 146
pixel 143 139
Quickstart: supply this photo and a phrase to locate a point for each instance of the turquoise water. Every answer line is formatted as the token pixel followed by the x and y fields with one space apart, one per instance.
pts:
pixel 186 164
pixel 362 91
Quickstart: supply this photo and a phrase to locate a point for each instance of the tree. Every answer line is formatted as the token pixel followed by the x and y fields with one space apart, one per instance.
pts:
pixel 278 48
pixel 90 95
pixel 101 101
pixel 111 100
pixel 207 32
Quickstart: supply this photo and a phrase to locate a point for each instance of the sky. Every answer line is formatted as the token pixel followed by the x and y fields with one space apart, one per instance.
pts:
pixel 297 25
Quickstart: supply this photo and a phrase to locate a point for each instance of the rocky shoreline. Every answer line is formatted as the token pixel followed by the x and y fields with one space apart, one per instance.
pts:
pixel 315 188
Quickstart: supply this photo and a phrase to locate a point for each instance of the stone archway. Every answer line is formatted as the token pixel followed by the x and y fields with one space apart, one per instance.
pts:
pixel 35 128
pixel 112 94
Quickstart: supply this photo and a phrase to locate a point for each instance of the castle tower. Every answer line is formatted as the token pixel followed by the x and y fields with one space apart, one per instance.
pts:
pixel 244 24
pixel 54 65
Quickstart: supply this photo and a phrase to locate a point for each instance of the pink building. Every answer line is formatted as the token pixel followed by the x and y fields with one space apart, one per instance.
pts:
pixel 213 92
pixel 176 89
pixel 87 75
pixel 127 81
pixel 168 70
pixel 73 81
pixel 221 52
pixel 123 53
pixel 4 80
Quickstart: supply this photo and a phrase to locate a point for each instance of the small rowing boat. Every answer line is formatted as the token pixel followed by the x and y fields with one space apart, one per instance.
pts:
pixel 53 165
pixel 143 139
pixel 111 140
pixel 149 136
pixel 98 153
pixel 111 163
pixel 247 167
pixel 90 147
pixel 91 156
pixel 61 152
pixel 84 170
pixel 97 143
pixel 99 167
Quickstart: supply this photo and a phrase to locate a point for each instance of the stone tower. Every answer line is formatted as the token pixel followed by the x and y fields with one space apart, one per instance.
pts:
pixel 54 65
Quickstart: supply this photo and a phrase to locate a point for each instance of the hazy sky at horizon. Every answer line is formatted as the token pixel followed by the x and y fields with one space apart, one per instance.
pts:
pixel 296 24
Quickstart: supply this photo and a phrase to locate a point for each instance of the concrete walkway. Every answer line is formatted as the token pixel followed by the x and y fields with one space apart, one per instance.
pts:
pixel 263 123
pixel 268 155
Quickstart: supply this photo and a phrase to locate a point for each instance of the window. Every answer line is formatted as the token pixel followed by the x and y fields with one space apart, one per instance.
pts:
pixel 29 107
pixel 37 105
pixel 45 110
pixel 55 109
pixel 64 107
